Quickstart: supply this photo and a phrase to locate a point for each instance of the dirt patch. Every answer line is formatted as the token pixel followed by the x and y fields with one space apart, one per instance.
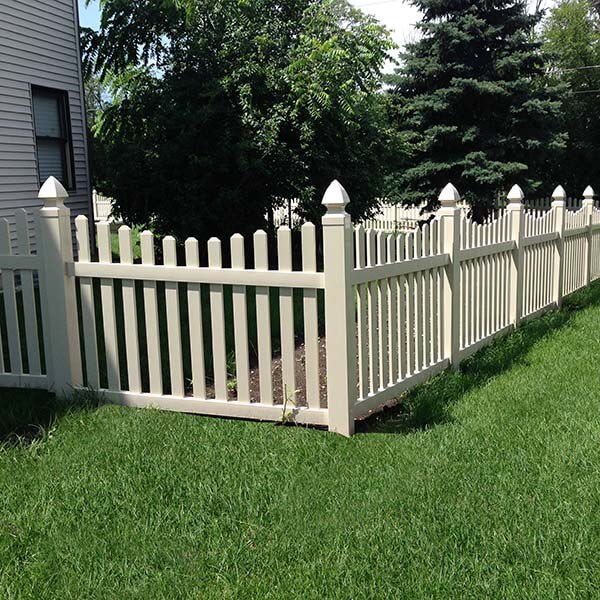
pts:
pixel 277 383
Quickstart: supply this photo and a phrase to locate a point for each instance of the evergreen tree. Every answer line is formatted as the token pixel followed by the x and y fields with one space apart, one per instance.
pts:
pixel 469 97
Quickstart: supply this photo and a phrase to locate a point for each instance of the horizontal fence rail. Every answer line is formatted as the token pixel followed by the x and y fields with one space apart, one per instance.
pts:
pixel 282 329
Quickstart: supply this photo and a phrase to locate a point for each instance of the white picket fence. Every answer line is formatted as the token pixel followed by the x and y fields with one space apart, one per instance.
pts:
pixel 387 217
pixel 287 214
pixel 240 341
pixel 395 217
pixel 102 207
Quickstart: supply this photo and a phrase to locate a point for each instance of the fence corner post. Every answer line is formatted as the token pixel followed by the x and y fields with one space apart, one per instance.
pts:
pixel 516 215
pixel 559 206
pixel 340 328
pixel 588 207
pixel 59 300
pixel 450 214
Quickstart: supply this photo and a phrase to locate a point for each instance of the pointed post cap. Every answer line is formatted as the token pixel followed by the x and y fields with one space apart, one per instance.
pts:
pixel 335 198
pixel 515 196
pixel 52 192
pixel 559 193
pixel 588 193
pixel 449 196
pixel 52 188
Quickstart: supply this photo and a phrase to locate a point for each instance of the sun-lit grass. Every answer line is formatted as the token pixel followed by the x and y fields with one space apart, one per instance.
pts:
pixel 135 242
pixel 483 483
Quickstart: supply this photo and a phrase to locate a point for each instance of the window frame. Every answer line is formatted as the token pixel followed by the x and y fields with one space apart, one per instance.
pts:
pixel 66 138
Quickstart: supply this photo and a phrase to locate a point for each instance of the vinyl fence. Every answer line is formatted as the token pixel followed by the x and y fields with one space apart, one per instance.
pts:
pixel 388 217
pixel 102 207
pixel 242 336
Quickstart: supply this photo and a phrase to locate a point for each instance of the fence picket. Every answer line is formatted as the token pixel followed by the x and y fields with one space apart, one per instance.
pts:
pixel 480 285
pixel 434 298
pixel 192 260
pixel 410 308
pixel 240 323
pixel 286 316
pixel 130 314
pixel 88 305
pixel 151 313
pixel 402 352
pixel 392 326
pixel 217 320
pixel 362 310
pixel 372 300
pixel 419 325
pixel 109 318
pixel 427 304
pixel 311 318
pixel 173 321
pixel 382 317
pixel 263 321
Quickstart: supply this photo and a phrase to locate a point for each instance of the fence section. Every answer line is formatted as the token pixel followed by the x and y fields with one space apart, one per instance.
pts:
pixel 436 295
pixel 22 356
pixel 539 248
pixel 178 335
pixel 398 282
pixel 240 334
pixel 102 207
pixel 484 258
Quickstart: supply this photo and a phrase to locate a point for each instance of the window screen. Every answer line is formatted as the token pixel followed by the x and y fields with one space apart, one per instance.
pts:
pixel 52 133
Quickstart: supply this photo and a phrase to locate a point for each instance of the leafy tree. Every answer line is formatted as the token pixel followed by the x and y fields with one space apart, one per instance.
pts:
pixel 96 101
pixel 468 98
pixel 572 39
pixel 222 107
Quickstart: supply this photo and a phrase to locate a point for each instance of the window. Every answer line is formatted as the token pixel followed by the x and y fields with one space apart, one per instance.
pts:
pixel 53 135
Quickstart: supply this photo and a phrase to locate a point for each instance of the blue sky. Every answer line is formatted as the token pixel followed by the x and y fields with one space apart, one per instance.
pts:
pixel 90 16
pixel 397 15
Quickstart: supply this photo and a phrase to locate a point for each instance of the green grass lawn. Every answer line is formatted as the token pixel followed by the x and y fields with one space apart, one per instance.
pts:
pixel 484 483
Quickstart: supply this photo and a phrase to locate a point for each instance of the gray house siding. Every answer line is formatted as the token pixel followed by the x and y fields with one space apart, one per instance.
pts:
pixel 39 46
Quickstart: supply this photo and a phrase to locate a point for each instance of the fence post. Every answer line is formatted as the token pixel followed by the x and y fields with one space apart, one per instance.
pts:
pixel 588 206
pixel 450 214
pixel 559 205
pixel 340 328
pixel 516 216
pixel 59 301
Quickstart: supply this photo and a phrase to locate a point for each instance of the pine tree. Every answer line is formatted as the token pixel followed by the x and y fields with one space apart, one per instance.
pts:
pixel 469 97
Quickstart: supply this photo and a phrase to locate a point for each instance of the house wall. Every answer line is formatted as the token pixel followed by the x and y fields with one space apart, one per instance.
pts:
pixel 39 45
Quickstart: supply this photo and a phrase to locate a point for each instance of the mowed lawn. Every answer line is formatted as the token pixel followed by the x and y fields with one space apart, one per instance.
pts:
pixel 484 483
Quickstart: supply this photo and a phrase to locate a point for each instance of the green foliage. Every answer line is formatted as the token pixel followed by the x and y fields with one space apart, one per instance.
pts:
pixel 221 108
pixel 572 41
pixel 468 99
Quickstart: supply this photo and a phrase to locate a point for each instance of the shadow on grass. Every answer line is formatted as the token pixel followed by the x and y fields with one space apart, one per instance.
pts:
pixel 28 415
pixel 429 404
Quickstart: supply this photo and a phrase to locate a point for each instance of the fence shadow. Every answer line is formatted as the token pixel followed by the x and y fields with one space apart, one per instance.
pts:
pixel 27 415
pixel 429 404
